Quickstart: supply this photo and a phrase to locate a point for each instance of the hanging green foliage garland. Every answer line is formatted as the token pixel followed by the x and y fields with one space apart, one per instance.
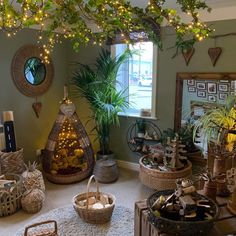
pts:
pixel 73 19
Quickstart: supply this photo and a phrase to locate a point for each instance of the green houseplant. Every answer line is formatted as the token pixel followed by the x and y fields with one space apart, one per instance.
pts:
pixel 141 127
pixel 98 85
pixel 217 127
pixel 218 124
pixel 186 136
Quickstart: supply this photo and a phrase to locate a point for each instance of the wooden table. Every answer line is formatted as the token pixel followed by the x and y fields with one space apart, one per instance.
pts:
pixel 226 223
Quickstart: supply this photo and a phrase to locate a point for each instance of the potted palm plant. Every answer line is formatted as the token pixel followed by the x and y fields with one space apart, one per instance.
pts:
pixel 97 84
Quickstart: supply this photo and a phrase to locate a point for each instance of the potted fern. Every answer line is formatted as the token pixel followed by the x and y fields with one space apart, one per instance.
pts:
pixel 97 84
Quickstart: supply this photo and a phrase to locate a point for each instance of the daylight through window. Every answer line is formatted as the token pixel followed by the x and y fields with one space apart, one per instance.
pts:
pixel 138 75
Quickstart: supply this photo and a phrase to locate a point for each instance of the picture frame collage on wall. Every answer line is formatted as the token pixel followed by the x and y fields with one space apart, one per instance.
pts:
pixel 212 91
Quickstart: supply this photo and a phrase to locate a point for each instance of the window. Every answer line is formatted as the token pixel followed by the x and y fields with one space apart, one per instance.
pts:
pixel 138 75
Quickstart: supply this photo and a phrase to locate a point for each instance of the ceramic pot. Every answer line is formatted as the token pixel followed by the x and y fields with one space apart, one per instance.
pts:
pixel 105 169
pixel 100 156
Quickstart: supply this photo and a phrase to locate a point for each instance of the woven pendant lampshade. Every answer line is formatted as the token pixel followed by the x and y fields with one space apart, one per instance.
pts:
pixel 68 155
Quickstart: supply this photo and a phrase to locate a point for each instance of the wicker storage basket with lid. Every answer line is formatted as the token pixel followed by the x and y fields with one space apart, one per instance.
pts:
pixel 68 156
pixel 10 198
pixel 90 215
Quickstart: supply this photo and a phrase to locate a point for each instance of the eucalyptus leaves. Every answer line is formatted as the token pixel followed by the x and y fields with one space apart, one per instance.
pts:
pixel 73 19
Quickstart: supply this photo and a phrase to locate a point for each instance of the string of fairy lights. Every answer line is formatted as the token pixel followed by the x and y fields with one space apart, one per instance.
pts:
pixel 71 19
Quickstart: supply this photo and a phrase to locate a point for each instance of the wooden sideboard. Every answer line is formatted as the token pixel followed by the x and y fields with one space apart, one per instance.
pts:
pixel 225 225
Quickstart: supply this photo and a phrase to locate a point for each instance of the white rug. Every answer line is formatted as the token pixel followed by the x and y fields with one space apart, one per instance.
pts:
pixel 70 224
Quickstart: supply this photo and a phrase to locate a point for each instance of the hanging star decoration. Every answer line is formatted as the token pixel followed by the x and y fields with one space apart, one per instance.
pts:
pixel 75 20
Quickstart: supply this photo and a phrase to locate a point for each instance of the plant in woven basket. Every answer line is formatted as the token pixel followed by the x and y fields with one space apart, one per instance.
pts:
pixel 33 177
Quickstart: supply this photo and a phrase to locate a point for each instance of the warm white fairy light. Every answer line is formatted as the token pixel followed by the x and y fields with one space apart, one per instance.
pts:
pixel 110 16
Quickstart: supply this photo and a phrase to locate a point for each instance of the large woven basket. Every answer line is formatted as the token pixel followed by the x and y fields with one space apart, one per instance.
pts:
pixel 10 199
pixel 181 228
pixel 94 216
pixel 161 180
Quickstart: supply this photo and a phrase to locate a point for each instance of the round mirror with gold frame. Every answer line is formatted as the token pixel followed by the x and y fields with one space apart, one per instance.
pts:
pixel 31 76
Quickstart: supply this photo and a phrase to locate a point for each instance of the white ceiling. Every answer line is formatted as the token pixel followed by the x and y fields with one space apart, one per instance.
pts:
pixel 171 3
pixel 221 3
pixel 221 9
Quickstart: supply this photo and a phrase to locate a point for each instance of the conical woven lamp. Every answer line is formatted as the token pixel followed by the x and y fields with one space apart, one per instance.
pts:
pixel 68 155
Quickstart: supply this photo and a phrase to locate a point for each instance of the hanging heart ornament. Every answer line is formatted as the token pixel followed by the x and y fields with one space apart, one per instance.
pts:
pixel 37 106
pixel 187 54
pixel 214 54
pixel 67 109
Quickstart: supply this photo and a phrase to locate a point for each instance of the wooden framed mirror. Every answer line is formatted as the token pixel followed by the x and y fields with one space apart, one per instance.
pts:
pixel 197 91
pixel 31 76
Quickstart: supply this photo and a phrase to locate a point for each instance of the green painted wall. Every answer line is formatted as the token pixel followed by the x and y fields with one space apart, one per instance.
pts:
pixel 167 70
pixel 31 132
pixel 85 56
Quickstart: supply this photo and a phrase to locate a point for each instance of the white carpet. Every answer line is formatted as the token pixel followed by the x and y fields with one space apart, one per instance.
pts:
pixel 70 224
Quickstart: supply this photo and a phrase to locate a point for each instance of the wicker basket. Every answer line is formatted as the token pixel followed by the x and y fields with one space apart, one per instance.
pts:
pixel 181 228
pixel 69 174
pixel 38 229
pixel 32 200
pixel 12 162
pixel 94 216
pixel 161 180
pixel 10 199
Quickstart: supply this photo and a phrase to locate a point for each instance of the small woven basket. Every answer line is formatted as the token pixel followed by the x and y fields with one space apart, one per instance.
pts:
pixel 10 198
pixel 32 200
pixel 94 216
pixel 38 229
pixel 12 162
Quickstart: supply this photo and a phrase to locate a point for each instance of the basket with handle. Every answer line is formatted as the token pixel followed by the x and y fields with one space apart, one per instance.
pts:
pixel 91 215
pixel 37 229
